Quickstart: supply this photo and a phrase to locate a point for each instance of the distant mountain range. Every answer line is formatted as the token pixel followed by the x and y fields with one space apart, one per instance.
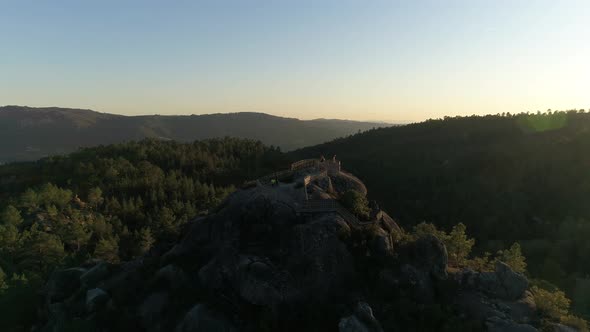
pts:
pixel 28 133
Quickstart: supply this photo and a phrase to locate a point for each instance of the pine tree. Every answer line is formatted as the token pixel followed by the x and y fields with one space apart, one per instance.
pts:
pixel 40 251
pixel 167 223
pixel 458 245
pixel 101 227
pixel 29 200
pixel 11 216
pixel 3 283
pixel 144 240
pixel 76 235
pixel 107 249
pixel 9 239
pixel 95 197
pixel 513 257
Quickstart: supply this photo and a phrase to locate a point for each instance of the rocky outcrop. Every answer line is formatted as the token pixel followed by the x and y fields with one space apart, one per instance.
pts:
pixel 503 283
pixel 257 264
pixel 95 274
pixel 500 298
pixel 560 328
pixel 361 321
pixel 95 298
pixel 427 254
pixel 201 318
pixel 497 324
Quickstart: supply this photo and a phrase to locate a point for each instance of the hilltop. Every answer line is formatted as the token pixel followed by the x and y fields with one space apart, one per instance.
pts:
pixel 28 133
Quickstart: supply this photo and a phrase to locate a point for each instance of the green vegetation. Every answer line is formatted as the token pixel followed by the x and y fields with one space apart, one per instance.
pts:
pixel 459 249
pixel 554 306
pixel 356 202
pixel 553 303
pixel 509 178
pixel 513 257
pixel 112 203
pixel 518 183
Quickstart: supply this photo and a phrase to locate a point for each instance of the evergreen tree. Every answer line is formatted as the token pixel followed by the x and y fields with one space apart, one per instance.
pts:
pixel 95 197
pixel 9 238
pixel 40 252
pixel 3 282
pixel 107 249
pixel 144 240
pixel 11 216
pixel 75 235
pixel 29 200
pixel 513 257
pixel 166 222
pixel 458 245
pixel 101 227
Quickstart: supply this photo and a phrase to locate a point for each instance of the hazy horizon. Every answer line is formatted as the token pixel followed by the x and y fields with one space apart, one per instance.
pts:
pixel 386 61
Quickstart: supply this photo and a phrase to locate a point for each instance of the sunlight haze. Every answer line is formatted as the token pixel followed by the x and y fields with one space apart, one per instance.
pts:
pixel 393 61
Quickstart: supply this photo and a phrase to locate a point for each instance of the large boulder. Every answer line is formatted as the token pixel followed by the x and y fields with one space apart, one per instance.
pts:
pixel 317 258
pixel 497 324
pixel 524 310
pixel 429 254
pixel 95 298
pixel 152 310
pixel 173 276
pixel 260 283
pixel 63 284
pixel 361 321
pixel 202 319
pixel 503 283
pixel 478 307
pixel 514 284
pixel 555 327
pixel 381 244
pixel 96 274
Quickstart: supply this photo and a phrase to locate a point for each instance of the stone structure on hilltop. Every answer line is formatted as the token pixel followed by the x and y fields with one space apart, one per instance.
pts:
pixel 284 255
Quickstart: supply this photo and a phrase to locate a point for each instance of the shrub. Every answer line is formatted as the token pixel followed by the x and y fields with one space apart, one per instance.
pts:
pixel 513 257
pixel 356 203
pixel 423 229
pixel 553 304
pixel 483 263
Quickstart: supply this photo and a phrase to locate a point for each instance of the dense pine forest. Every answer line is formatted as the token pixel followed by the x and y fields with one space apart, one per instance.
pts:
pixel 111 203
pixel 509 178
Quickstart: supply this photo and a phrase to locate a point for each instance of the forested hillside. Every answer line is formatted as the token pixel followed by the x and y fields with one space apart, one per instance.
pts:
pixel 515 182
pixel 111 203
pixel 509 178
pixel 28 133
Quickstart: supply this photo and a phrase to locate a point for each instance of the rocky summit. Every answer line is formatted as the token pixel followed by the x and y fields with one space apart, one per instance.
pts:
pixel 284 253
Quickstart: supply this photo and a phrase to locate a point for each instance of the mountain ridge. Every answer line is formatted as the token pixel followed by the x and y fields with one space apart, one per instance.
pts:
pixel 31 133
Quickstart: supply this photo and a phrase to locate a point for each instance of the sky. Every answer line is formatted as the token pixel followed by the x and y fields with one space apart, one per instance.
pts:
pixel 393 61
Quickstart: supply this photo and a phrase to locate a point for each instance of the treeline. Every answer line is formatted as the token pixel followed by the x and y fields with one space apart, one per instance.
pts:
pixel 510 178
pixel 112 203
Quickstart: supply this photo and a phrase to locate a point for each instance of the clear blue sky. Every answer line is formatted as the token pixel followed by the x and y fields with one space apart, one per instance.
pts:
pixel 365 60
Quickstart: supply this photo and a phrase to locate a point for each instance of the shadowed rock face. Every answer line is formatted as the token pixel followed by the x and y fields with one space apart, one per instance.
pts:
pixel 258 265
